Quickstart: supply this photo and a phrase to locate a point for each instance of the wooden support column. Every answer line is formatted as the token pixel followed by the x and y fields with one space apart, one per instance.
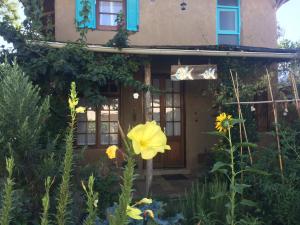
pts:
pixel 147 111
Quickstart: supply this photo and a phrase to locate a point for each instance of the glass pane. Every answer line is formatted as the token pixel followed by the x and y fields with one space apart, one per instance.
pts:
pixel 177 113
pixel 169 129
pixel 113 127
pixel 114 139
pixel 104 139
pixel 113 116
pixel 81 117
pixel 169 86
pixel 155 83
pixel 228 2
pixel 81 139
pixel 81 127
pixel 114 105
pixel 110 7
pixel 176 86
pixel 176 100
pixel 228 39
pixel 169 114
pixel 105 107
pixel 104 127
pixel 227 20
pixel 91 139
pixel 104 115
pixel 177 129
pixel 156 100
pixel 108 20
pixel 91 115
pixel 156 114
pixel 169 102
pixel 91 127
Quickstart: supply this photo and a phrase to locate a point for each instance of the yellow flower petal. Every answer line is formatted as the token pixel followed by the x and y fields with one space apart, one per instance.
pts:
pixel 134 213
pixel 150 213
pixel 145 201
pixel 111 151
pixel 80 109
pixel 148 139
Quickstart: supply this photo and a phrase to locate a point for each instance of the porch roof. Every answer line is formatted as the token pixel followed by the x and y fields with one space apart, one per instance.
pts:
pixel 209 51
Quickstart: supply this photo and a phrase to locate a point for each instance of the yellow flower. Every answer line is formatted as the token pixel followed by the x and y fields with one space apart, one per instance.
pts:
pixel 134 213
pixel 80 109
pixel 146 201
pixel 73 103
pixel 148 139
pixel 150 213
pixel 111 151
pixel 223 122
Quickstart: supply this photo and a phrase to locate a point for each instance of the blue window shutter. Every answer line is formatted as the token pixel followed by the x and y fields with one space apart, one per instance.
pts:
pixel 92 14
pixel 133 15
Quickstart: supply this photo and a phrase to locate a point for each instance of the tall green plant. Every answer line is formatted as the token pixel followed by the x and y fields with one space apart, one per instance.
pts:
pixel 46 202
pixel 7 201
pixel 64 195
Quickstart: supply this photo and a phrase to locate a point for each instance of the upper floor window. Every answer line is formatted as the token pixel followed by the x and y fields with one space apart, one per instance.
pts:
pixel 108 10
pixel 102 14
pixel 228 22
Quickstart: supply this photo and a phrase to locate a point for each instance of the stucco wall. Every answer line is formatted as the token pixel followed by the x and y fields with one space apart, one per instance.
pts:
pixel 163 23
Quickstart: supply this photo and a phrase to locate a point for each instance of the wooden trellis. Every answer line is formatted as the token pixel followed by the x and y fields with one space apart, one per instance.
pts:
pixel 242 128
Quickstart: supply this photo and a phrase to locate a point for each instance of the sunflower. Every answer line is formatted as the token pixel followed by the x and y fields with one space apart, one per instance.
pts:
pixel 223 122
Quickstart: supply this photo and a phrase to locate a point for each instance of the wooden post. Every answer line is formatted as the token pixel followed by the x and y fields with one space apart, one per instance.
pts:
pixel 147 111
pixel 237 94
pixel 276 123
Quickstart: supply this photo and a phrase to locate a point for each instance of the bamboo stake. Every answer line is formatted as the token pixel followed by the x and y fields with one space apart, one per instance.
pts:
pixel 236 91
pixel 261 102
pixel 295 90
pixel 276 123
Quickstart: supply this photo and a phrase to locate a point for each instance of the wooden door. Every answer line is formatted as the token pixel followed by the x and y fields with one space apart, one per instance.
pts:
pixel 167 111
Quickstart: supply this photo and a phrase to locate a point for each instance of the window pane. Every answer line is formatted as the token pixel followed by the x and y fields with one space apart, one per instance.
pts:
pixel 91 139
pixel 104 127
pixel 114 104
pixel 91 115
pixel 176 100
pixel 156 100
pixel 81 117
pixel 156 114
pixel 81 127
pixel 110 7
pixel 169 114
pixel 104 115
pixel 104 139
pixel 105 107
pixel 114 139
pixel 113 116
pixel 228 2
pixel 228 39
pixel 176 86
pixel 155 83
pixel 177 113
pixel 113 127
pixel 228 20
pixel 91 127
pixel 169 87
pixel 177 129
pixel 108 20
pixel 169 129
pixel 169 100
pixel 81 139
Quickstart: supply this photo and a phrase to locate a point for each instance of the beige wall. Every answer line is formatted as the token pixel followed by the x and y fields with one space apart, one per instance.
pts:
pixel 163 23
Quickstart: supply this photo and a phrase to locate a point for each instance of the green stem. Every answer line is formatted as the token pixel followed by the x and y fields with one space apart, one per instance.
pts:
pixel 232 183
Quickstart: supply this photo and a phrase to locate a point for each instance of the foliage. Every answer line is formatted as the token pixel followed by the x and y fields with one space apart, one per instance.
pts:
pixel 64 196
pixel 92 201
pixel 46 202
pixel 120 40
pixel 9 11
pixel 7 202
pixel 278 199
pixel 200 205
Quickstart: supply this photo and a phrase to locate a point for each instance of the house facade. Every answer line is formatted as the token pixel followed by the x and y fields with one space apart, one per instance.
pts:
pixel 171 33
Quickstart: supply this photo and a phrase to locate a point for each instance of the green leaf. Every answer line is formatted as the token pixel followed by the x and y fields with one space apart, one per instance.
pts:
pixel 217 166
pixel 246 144
pixel 257 171
pixel 248 203
pixel 239 188
pixel 236 121
pixel 218 195
pixel 218 134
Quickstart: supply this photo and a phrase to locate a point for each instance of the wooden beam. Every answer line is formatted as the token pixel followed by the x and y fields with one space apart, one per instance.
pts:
pixel 147 111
